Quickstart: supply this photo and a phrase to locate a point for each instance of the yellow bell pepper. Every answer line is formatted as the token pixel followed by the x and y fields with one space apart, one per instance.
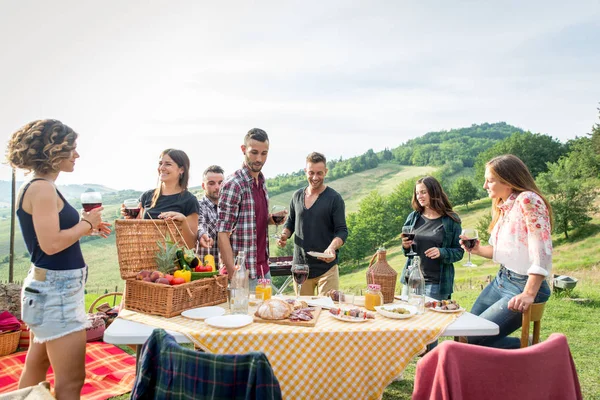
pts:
pixel 186 274
pixel 210 260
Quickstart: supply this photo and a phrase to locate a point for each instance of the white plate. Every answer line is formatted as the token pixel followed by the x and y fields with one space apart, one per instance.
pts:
pixel 203 312
pixel 383 310
pixel 349 319
pixel 446 311
pixel 323 302
pixel 317 254
pixel 229 321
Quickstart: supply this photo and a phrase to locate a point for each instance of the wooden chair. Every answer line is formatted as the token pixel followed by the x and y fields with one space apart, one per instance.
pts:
pixel 534 314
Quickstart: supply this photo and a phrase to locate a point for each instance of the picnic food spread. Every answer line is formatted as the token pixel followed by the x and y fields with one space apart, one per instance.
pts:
pixel 443 305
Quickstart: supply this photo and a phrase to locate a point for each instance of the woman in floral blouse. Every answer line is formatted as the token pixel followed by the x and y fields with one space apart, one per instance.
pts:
pixel 520 242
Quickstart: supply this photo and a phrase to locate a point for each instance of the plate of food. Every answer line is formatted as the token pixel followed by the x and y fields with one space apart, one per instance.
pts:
pixel 318 254
pixel 201 313
pixel 444 306
pixel 351 315
pixel 229 321
pixel 396 311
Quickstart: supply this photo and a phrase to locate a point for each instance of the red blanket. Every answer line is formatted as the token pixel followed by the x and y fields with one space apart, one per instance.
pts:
pixel 461 371
pixel 109 371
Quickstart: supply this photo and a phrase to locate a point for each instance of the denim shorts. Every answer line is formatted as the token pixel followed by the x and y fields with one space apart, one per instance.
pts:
pixel 53 305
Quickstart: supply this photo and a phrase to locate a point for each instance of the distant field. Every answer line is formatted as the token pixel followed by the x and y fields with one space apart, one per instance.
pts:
pixel 355 187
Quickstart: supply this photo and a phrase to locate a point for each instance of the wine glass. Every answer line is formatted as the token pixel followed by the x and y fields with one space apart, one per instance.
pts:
pixel 89 201
pixel 470 237
pixel 300 273
pixel 409 233
pixel 132 208
pixel 278 215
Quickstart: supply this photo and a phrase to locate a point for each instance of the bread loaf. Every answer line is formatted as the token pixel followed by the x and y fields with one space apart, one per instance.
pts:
pixel 274 309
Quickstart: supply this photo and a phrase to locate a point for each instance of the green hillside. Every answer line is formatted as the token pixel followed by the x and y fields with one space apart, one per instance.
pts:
pixel 354 187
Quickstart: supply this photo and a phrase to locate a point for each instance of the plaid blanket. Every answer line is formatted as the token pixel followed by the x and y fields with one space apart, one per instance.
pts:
pixel 109 371
pixel 169 371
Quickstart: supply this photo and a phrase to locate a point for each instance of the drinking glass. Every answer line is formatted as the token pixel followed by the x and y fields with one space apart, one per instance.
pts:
pixel 278 215
pixel 132 208
pixel 409 233
pixel 300 273
pixel 470 237
pixel 89 201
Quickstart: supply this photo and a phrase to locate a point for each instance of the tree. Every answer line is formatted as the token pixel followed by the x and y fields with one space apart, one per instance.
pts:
pixel 595 134
pixel 534 149
pixel 463 192
pixel 572 199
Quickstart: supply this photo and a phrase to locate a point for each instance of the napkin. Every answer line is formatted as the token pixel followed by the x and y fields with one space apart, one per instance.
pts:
pixel 9 322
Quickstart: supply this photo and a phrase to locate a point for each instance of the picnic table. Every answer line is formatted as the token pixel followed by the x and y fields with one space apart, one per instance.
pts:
pixel 334 359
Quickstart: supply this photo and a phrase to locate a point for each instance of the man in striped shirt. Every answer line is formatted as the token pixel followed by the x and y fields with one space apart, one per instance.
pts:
pixel 244 210
pixel 207 217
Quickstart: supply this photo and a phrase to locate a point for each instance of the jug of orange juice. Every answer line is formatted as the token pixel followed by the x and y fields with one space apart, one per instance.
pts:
pixel 373 296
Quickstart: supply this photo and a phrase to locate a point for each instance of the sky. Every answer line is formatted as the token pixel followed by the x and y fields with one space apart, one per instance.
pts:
pixel 136 77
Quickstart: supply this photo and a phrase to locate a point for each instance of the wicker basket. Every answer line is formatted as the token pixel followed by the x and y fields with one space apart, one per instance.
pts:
pixel 136 248
pixel 382 274
pixel 9 342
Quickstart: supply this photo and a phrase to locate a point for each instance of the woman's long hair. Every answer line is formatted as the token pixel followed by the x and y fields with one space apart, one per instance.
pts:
pixel 438 200
pixel 510 170
pixel 182 161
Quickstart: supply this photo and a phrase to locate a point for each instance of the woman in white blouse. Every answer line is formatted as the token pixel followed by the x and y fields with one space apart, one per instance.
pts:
pixel 521 242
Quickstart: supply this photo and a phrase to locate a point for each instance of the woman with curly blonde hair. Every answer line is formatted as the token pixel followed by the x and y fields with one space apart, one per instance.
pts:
pixel 52 297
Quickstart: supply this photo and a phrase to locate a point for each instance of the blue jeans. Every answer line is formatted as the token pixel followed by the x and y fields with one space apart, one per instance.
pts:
pixel 492 304
pixel 433 290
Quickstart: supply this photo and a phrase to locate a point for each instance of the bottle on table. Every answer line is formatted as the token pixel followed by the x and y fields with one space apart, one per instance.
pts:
pixel 239 286
pixel 416 286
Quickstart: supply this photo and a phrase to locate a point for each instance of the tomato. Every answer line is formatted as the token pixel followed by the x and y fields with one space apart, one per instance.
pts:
pixel 177 281
pixel 169 278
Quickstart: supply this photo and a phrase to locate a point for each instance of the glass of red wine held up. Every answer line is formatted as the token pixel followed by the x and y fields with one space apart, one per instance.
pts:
pixel 132 208
pixel 409 233
pixel 469 240
pixel 89 201
pixel 278 215
pixel 300 273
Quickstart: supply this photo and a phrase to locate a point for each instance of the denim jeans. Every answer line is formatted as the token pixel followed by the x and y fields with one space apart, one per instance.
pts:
pixel 492 304
pixel 433 290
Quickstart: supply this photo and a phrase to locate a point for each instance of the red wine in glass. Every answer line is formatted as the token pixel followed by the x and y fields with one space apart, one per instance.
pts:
pixel 410 236
pixel 470 243
pixel 90 206
pixel 300 277
pixel 278 215
pixel 300 274
pixel 132 212
pixel 470 237
pixel 278 219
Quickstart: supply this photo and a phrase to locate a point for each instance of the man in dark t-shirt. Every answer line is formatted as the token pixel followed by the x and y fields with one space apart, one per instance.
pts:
pixel 317 218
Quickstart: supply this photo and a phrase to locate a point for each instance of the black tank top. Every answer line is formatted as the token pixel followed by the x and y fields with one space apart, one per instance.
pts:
pixel 69 258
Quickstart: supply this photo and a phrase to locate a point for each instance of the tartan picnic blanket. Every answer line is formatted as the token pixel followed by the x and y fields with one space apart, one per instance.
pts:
pixel 169 371
pixel 109 371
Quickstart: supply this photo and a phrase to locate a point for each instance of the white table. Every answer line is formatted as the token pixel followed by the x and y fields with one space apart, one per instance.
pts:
pixel 125 332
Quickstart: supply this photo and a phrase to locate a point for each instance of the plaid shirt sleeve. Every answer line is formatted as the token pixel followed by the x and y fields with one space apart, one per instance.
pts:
pixel 170 371
pixel 229 205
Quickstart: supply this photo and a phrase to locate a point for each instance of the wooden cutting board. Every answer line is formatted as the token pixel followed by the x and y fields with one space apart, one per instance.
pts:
pixel 287 321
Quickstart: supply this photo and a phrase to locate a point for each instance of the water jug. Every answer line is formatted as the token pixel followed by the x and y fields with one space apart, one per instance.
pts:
pixel 239 286
pixel 416 286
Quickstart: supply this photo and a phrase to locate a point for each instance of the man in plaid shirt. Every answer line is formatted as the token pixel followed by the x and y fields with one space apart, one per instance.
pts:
pixel 243 209
pixel 207 217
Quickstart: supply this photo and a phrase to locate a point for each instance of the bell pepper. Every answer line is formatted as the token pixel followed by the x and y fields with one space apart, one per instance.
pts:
pixel 186 274
pixel 210 260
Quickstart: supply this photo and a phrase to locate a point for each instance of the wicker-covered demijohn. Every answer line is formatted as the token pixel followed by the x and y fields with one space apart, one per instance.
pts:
pixel 137 244
pixel 382 274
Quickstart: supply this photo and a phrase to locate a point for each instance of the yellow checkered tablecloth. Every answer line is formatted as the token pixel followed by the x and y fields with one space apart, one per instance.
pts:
pixel 333 360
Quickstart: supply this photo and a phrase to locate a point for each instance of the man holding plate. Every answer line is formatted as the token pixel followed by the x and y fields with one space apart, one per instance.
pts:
pixel 317 218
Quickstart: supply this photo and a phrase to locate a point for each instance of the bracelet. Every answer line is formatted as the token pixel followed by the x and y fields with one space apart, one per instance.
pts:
pixel 85 220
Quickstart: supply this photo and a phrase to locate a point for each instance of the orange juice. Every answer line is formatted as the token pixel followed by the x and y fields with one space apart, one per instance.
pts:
pixel 373 297
pixel 265 289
